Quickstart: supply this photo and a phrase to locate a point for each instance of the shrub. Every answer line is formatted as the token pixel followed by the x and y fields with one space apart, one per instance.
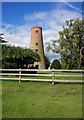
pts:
pixel 55 64
pixel 63 65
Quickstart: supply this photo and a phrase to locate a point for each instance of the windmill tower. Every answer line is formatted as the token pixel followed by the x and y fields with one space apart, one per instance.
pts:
pixel 36 44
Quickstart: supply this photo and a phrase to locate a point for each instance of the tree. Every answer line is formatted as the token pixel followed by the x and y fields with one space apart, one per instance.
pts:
pixel 17 57
pixel 1 43
pixel 55 64
pixel 47 62
pixel 2 39
pixel 70 44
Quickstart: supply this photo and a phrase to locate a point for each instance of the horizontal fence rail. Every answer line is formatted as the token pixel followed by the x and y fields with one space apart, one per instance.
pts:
pixel 53 75
pixel 41 75
pixel 45 70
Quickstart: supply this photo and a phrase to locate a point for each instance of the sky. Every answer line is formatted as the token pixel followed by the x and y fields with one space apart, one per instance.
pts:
pixel 19 17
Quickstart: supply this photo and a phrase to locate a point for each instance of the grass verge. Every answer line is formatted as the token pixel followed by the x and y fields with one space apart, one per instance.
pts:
pixel 41 100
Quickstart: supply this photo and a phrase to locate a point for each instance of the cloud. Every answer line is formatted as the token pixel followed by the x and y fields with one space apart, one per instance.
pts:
pixel 53 56
pixel 70 5
pixel 50 34
pixel 62 15
pixel 35 16
pixel 17 35
pixel 51 22
pixel 69 0
pixel 53 17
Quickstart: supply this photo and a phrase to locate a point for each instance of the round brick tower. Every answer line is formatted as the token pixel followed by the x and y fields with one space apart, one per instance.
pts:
pixel 36 44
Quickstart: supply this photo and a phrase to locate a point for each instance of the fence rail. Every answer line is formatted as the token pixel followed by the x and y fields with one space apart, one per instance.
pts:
pixel 46 70
pixel 53 75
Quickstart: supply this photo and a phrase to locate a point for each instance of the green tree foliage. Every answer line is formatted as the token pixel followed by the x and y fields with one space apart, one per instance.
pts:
pixel 63 65
pixel 17 57
pixel 55 64
pixel 70 45
pixel 47 62
pixel 2 39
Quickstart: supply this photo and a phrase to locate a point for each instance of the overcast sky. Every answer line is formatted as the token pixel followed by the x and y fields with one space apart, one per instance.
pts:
pixel 19 17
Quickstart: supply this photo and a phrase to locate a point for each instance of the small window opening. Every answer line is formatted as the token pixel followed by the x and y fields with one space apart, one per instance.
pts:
pixel 36 31
pixel 36 50
pixel 36 44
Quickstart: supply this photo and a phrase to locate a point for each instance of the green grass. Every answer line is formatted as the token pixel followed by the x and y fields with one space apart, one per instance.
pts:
pixel 62 73
pixel 41 100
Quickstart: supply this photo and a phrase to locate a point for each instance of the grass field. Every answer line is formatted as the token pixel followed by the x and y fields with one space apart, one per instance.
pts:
pixel 41 100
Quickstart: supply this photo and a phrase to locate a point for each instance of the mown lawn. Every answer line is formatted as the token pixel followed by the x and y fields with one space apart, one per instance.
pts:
pixel 41 100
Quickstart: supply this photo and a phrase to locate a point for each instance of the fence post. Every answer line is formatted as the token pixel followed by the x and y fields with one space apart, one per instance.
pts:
pixel 20 75
pixel 53 76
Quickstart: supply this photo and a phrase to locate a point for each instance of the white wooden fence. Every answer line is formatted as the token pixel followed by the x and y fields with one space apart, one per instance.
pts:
pixel 40 70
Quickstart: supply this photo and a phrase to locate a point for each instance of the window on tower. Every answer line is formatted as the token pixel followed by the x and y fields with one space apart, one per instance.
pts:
pixel 36 31
pixel 36 44
pixel 36 50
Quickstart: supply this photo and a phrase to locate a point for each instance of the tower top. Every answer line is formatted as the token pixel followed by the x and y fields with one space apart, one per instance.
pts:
pixel 37 27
